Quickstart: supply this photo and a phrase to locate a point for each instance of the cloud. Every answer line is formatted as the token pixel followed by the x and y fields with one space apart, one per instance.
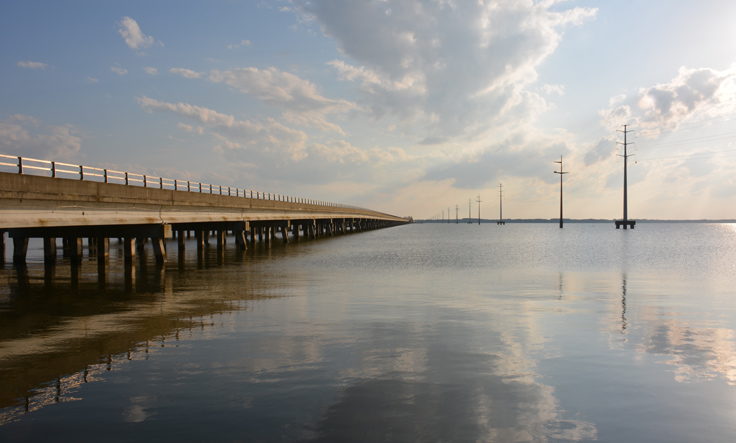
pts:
pixel 27 136
pixel 150 70
pixel 517 156
pixel 92 80
pixel 189 128
pixel 605 148
pixel 300 100
pixel 118 70
pixel 343 152
pixel 444 69
pixel 692 94
pixel 266 136
pixel 240 44
pixel 274 86
pixel 133 35
pixel 31 65
pixel 553 89
pixel 186 73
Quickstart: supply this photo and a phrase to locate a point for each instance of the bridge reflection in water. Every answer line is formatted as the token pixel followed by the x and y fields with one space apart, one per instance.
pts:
pixel 59 333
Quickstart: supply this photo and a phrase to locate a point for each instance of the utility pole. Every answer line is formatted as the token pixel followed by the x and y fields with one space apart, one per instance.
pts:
pixel 561 172
pixel 470 217
pixel 500 205
pixel 479 201
pixel 457 220
pixel 625 222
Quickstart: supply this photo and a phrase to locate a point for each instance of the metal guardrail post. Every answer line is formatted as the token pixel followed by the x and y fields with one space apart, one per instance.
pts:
pixel 188 187
pixel 81 172
pixel 161 182
pixel 53 169
pixel 126 178
pixel 145 182
pixel 104 173
pixel 20 164
pixel 176 188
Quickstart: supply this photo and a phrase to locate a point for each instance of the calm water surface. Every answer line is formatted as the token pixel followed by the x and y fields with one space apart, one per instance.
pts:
pixel 424 332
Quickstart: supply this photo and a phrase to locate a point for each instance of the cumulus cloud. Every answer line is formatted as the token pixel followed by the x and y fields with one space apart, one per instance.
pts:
pixel 27 136
pixel 186 73
pixel 31 65
pixel 118 70
pixel 663 107
pixel 451 68
pixel 133 35
pixel 150 70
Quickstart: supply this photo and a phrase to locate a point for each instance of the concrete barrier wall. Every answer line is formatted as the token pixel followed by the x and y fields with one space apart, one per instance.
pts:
pixel 35 201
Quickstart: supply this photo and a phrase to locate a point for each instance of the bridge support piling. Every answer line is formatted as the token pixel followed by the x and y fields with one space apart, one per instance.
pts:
pixel 65 247
pixel 285 232
pixel 129 249
pixel 295 230
pixel 159 249
pixel 49 250
pixel 75 249
pixel 220 239
pixel 180 242
pixel 91 246
pixel 102 248
pixel 140 243
pixel 200 236
pixel 102 252
pixel 20 249
pixel 240 239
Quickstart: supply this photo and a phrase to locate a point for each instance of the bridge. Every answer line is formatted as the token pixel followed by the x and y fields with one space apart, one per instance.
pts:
pixel 54 200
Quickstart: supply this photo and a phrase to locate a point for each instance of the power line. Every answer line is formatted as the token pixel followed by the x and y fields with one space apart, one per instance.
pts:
pixel 625 222
pixel 561 172
pixel 479 202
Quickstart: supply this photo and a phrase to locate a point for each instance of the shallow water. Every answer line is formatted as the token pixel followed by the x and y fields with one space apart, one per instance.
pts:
pixel 424 332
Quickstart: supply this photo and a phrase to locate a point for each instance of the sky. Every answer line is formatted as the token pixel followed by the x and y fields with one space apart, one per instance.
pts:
pixel 409 107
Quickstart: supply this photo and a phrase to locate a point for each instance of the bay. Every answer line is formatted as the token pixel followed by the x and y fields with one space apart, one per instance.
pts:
pixel 424 332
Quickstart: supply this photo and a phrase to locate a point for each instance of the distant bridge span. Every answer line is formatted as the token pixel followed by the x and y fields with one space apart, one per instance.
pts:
pixel 90 204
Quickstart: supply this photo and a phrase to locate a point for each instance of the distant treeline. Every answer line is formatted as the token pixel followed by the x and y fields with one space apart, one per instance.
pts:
pixel 568 220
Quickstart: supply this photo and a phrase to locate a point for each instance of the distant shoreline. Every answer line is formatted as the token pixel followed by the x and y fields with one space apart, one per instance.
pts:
pixel 566 220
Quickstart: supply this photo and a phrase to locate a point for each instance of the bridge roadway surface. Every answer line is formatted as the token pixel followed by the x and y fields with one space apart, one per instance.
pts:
pixel 46 207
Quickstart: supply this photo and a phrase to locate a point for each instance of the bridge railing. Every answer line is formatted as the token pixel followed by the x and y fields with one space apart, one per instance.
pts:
pixel 49 168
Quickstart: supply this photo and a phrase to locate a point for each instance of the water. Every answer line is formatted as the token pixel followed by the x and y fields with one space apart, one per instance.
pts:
pixel 416 333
